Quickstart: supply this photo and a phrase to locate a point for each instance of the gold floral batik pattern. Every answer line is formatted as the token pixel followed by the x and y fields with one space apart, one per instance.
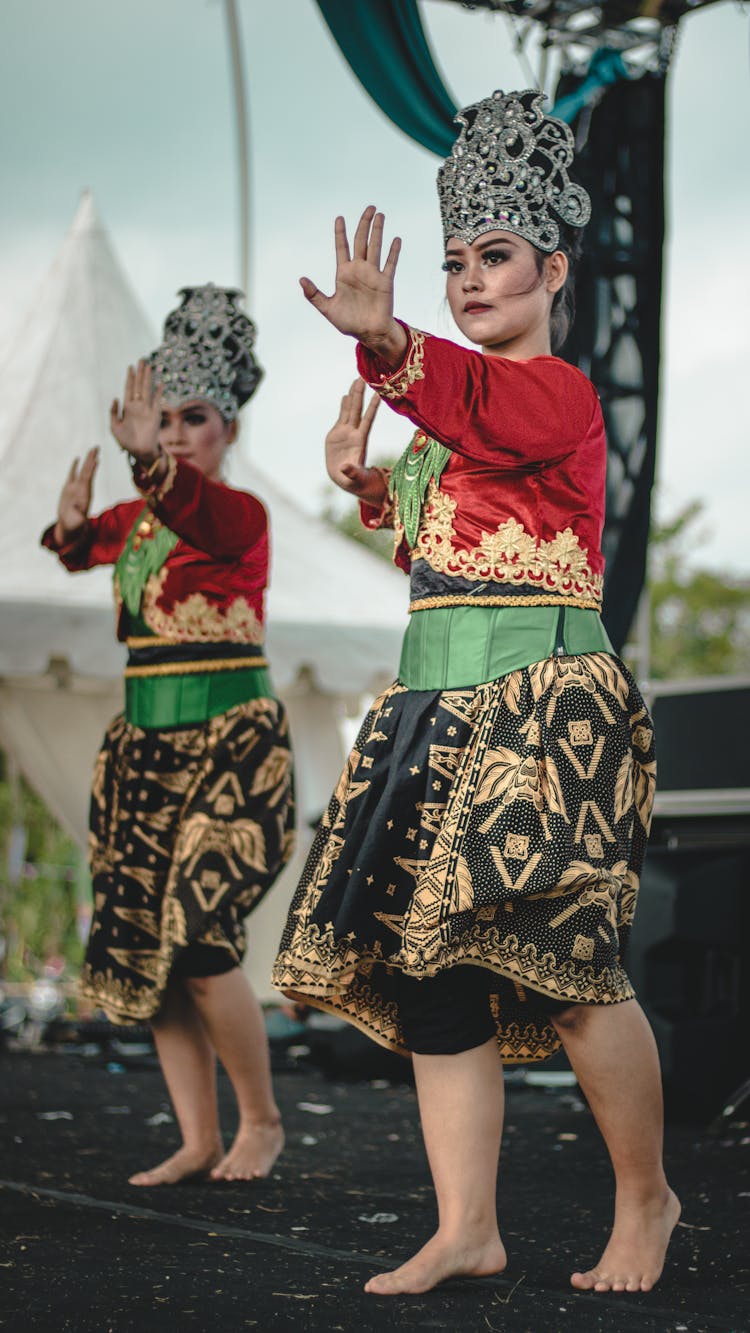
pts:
pixel 189 829
pixel 502 825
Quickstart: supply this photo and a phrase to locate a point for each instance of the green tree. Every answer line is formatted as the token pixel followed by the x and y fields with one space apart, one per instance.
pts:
pixel 342 512
pixel 347 522
pixel 700 619
pixel 38 905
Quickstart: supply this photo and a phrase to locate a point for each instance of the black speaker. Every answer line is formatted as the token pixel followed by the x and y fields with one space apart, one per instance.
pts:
pixel 689 952
pixel 702 734
pixel 689 960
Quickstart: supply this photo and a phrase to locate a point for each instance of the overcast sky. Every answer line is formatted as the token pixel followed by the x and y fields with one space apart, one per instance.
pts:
pixel 133 100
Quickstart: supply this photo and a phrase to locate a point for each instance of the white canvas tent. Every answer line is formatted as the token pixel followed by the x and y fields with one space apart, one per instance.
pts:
pixel 60 666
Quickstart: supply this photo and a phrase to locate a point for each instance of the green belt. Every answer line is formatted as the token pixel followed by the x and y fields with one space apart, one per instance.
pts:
pixel 451 648
pixel 186 700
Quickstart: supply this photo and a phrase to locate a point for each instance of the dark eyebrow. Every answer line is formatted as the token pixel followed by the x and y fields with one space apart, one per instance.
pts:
pixel 505 239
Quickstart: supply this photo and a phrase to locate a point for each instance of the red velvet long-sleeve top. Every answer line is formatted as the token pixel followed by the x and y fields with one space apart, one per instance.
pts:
pixel 516 516
pixel 211 586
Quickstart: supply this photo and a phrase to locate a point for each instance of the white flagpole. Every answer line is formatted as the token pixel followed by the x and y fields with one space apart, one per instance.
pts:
pixel 243 140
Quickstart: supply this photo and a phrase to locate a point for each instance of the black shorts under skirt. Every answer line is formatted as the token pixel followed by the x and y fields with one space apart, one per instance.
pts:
pixel 502 826
pixel 189 828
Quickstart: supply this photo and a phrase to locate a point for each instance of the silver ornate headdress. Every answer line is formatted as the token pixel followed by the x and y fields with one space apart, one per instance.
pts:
pixel 207 351
pixel 508 172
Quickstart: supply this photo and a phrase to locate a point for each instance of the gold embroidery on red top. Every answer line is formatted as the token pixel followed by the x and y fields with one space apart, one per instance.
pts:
pixel 196 620
pixel 395 385
pixel 155 491
pixel 508 555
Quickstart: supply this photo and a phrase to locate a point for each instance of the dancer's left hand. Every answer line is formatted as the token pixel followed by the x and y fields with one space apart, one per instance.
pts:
pixel 346 448
pixel 135 423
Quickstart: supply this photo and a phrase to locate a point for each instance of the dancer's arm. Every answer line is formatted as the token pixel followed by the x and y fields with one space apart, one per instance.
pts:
pixel 78 539
pixel 223 522
pixel 514 414
pixel 217 519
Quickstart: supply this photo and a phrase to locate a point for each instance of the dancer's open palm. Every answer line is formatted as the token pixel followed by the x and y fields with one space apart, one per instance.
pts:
pixel 346 447
pixel 362 302
pixel 135 424
pixel 75 497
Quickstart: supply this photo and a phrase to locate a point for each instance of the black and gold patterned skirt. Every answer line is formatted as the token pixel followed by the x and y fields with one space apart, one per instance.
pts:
pixel 189 828
pixel 503 826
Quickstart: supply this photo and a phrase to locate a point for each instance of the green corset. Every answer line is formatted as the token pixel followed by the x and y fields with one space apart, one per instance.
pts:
pixel 451 648
pixel 182 685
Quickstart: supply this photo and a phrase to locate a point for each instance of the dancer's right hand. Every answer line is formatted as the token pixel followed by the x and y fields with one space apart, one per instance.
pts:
pixel 362 302
pixel 75 498
pixel 346 448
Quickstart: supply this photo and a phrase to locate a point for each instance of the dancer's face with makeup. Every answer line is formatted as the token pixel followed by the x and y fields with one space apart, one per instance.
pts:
pixel 197 433
pixel 498 296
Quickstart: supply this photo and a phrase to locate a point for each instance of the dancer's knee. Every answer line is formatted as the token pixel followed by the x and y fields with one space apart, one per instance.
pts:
pixel 198 987
pixel 571 1020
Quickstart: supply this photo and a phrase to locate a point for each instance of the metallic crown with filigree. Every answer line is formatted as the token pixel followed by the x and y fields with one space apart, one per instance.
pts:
pixel 508 172
pixel 206 351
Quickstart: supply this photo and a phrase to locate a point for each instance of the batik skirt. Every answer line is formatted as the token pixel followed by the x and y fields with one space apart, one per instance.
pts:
pixel 189 828
pixel 502 826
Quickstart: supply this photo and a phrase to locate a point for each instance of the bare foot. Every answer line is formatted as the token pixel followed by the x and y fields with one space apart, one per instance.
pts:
pixel 634 1257
pixel 181 1165
pixel 442 1257
pixel 252 1154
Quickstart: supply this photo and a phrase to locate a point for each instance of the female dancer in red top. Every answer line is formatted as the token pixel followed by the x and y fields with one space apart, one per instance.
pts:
pixel 192 804
pixel 472 884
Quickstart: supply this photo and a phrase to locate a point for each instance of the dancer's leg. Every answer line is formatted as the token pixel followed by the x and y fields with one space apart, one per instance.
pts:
pixel 461 1107
pixel 613 1053
pixel 233 1020
pixel 189 1067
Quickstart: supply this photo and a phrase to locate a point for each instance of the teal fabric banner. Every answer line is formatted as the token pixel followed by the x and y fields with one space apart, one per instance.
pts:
pixel 385 44
pixel 605 67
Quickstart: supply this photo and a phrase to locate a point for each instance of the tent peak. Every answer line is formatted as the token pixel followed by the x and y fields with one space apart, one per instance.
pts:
pixel 86 217
pixel 82 328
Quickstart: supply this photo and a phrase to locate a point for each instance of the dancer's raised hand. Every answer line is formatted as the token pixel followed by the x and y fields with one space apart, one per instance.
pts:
pixel 362 302
pixel 75 498
pixel 135 424
pixel 346 447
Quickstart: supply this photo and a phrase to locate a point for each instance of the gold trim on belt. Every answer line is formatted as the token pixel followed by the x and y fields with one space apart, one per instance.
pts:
pixel 534 599
pixel 195 668
pixel 150 641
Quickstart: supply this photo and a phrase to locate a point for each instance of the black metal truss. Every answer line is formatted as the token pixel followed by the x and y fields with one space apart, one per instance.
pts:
pixel 631 26
pixel 616 335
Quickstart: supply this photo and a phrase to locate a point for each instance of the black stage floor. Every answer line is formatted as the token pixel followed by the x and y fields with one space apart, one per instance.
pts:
pixel 83 1251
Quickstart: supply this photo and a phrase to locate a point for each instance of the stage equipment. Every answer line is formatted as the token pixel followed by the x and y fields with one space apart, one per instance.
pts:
pixel 616 335
pixel 689 952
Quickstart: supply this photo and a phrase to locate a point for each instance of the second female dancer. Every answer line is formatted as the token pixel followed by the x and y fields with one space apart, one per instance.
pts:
pixel 192 806
pixel 472 885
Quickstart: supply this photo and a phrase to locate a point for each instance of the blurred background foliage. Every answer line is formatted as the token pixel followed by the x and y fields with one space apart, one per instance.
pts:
pixel 44 904
pixel 699 618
